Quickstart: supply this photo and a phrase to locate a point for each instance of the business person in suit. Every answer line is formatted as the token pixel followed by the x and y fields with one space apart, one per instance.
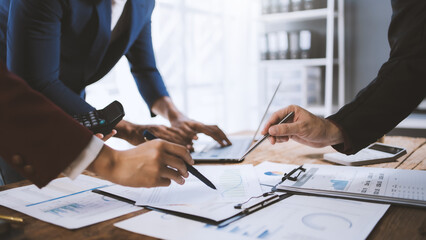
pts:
pixel 398 89
pixel 40 141
pixel 61 46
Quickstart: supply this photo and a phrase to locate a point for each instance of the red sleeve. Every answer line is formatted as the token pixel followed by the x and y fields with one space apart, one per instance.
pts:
pixel 32 127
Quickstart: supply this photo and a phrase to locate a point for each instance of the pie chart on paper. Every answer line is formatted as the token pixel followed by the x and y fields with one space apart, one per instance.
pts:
pixel 273 173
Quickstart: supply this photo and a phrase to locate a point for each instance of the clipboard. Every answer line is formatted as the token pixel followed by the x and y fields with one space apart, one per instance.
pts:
pixel 250 207
pixel 234 211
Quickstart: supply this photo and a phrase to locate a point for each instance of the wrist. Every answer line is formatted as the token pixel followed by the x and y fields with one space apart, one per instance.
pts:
pixel 334 133
pixel 124 129
pixel 173 116
pixel 104 162
pixel 166 108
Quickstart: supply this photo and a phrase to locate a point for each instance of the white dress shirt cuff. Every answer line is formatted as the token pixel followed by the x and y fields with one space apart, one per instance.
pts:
pixel 86 157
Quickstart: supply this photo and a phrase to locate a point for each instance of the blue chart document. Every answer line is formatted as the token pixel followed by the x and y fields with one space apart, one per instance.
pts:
pixel 66 203
pixel 398 186
pixel 297 217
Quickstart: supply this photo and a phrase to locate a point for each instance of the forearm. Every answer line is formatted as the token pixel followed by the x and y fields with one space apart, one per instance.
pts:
pixel 143 67
pixel 165 107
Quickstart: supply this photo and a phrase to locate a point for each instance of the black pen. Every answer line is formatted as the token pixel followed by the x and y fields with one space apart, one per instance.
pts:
pixel 285 119
pixel 149 136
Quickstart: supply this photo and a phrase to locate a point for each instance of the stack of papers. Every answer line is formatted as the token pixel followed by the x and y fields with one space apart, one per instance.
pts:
pixel 295 217
pixel 209 214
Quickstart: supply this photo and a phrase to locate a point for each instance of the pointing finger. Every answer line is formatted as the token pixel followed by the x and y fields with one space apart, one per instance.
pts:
pixel 285 129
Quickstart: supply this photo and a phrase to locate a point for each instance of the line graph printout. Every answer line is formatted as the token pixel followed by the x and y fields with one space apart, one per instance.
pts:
pixel 216 211
pixel 231 184
pixel 396 183
pixel 66 203
pixel 234 183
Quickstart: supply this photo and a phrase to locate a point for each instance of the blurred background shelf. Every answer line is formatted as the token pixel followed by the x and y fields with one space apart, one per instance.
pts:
pixel 299 62
pixel 304 15
pixel 315 109
pixel 318 76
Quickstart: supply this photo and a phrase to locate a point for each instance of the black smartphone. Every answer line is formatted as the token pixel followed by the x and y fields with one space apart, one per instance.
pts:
pixel 104 120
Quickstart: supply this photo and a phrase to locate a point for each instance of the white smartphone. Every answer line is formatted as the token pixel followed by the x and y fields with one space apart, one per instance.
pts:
pixel 375 153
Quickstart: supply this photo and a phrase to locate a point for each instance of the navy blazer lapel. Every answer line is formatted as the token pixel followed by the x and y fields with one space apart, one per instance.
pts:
pixel 137 18
pixel 132 31
pixel 103 35
pixel 138 14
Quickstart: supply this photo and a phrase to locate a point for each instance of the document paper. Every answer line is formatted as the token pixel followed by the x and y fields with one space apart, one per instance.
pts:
pixel 379 183
pixel 296 217
pixel 66 203
pixel 234 183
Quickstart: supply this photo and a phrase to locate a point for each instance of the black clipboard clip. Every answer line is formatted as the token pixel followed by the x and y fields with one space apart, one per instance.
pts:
pixel 287 176
pixel 290 176
pixel 271 197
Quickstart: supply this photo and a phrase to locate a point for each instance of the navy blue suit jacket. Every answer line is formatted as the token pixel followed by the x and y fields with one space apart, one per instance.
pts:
pixel 61 46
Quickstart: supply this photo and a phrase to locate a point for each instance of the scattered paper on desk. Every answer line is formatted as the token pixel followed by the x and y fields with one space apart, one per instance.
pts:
pixel 270 173
pixel 66 203
pixel 234 183
pixel 297 217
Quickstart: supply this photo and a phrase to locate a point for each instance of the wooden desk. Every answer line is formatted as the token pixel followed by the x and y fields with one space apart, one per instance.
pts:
pixel 398 222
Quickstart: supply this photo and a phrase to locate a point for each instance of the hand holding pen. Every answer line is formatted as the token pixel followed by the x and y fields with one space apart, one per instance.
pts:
pixel 149 136
pixel 305 128
pixel 254 146
pixel 152 164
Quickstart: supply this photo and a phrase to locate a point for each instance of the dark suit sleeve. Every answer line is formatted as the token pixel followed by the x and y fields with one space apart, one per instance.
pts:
pixel 399 86
pixel 33 50
pixel 144 69
pixel 34 128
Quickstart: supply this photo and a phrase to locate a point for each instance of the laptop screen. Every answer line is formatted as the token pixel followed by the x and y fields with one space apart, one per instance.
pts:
pixel 266 111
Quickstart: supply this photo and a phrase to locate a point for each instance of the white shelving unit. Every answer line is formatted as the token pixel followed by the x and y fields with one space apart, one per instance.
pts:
pixel 298 62
pixel 331 17
pixel 296 16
